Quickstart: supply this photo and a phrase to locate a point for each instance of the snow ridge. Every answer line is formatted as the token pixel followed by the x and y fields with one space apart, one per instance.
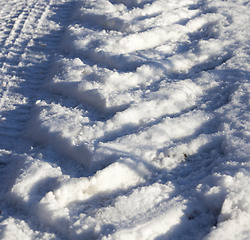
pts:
pixel 124 119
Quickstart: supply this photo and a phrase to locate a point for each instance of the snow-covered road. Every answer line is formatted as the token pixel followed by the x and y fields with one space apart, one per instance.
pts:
pixel 125 119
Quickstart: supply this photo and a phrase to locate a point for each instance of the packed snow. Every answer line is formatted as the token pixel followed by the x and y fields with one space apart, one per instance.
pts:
pixel 125 119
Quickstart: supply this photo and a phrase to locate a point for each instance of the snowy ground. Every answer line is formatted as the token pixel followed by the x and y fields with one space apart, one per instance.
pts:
pixel 125 119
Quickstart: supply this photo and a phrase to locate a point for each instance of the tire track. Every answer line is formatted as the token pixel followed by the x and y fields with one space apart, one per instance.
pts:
pixel 24 58
pixel 174 146
pixel 162 137
pixel 98 48
pixel 13 48
pixel 27 52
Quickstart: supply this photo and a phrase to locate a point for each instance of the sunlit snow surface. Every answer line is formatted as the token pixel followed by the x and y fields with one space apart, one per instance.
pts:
pixel 125 119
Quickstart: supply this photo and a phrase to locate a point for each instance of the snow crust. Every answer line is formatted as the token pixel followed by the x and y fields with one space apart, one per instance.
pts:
pixel 125 119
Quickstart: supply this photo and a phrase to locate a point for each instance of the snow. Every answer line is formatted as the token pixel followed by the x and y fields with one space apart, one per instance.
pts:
pixel 124 119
